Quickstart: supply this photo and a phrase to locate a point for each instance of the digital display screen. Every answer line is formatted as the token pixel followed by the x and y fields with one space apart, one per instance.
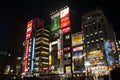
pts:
pixel 109 52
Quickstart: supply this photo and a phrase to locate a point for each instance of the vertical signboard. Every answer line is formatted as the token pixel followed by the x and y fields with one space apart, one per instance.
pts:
pixel 33 53
pixel 109 52
pixel 55 22
pixel 64 18
pixel 29 29
pixel 26 55
pixel 78 58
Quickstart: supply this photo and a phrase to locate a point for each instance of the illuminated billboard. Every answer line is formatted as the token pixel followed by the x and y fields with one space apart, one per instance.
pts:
pixel 68 69
pixel 55 21
pixel 29 29
pixel 109 53
pixel 77 39
pixel 78 58
pixel 95 56
pixel 64 18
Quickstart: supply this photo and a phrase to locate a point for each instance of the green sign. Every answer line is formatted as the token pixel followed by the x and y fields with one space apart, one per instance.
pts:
pixel 55 22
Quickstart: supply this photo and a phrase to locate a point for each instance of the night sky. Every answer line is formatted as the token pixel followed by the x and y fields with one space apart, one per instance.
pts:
pixel 43 8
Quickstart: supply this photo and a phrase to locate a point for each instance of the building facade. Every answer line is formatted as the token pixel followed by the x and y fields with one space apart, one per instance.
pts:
pixel 99 42
pixel 16 48
pixel 36 51
pixel 41 57
pixel 60 46
pixel 78 53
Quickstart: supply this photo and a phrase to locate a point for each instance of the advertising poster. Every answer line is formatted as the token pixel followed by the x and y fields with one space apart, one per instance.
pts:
pixel 29 29
pixel 77 39
pixel 109 52
pixel 55 22
pixel 64 18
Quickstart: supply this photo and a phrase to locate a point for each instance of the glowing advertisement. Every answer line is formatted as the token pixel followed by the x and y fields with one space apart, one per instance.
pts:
pixel 68 69
pixel 77 39
pixel 59 48
pixel 33 52
pixel 78 60
pixel 66 30
pixel 113 47
pixel 109 52
pixel 55 22
pixel 95 54
pixel 26 56
pixel 64 18
pixel 78 48
pixel 54 55
pixel 29 29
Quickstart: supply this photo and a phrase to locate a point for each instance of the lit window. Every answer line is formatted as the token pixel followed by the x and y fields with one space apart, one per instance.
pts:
pixel 91 34
pixel 89 24
pixel 85 25
pixel 95 32
pixel 88 17
pixel 96 39
pixel 101 38
pixel 92 41
pixel 100 31
pixel 93 22
pixel 67 37
pixel 44 62
pixel 88 42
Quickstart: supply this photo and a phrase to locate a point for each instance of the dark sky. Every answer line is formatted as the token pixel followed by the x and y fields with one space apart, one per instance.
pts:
pixel 42 9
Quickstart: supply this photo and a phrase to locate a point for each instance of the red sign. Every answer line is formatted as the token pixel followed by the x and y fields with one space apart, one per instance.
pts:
pixel 65 30
pixel 64 18
pixel 26 55
pixel 29 29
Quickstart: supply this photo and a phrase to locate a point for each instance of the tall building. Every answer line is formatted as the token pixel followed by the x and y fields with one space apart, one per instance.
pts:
pixel 99 42
pixel 41 57
pixel 36 53
pixel 60 46
pixel 15 48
